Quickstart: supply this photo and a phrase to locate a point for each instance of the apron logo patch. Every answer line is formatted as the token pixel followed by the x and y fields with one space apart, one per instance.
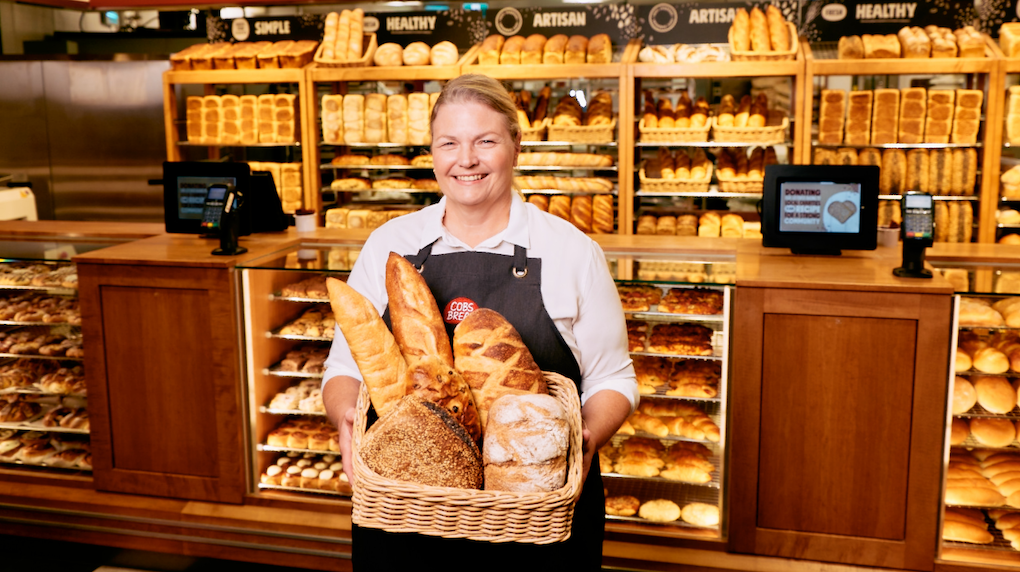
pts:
pixel 458 309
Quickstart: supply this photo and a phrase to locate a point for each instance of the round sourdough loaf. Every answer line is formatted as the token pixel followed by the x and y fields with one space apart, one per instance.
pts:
pixel 526 444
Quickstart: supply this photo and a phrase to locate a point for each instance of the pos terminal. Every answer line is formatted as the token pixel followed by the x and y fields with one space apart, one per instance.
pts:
pixel 917 232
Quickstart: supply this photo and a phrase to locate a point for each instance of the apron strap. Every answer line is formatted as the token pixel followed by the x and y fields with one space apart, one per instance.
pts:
pixel 520 267
pixel 419 259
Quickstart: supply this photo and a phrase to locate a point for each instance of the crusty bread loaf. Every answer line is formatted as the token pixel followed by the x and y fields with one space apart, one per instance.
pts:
pixel 831 113
pixel 779 34
pixel 492 358
pixel 967 116
pixel 740 31
pixel 576 50
pixel 511 52
pixel 917 170
pixel 600 49
pixel 885 116
pixel 760 41
pixel 372 345
pixel 893 174
pixel 554 48
pixel 881 46
pixel 488 54
pixel 531 52
pixel 1009 39
pixel 420 442
pixel 444 54
pixel 421 335
pixel 526 444
pixel 850 48
pixel 995 394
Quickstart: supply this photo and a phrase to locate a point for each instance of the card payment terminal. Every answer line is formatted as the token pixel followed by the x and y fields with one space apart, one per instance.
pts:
pixel 215 199
pixel 917 231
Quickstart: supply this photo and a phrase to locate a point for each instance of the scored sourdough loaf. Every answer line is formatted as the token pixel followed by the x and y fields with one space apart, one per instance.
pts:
pixel 372 345
pixel 422 443
pixel 526 444
pixel 423 342
pixel 492 357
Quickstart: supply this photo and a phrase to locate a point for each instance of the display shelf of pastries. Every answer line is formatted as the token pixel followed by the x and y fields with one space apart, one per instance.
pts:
pixel 36 342
pixel 660 459
pixel 626 497
pixel 53 277
pixel 28 413
pixel 302 398
pixel 306 473
pixel 314 324
pixel 416 61
pixel 37 309
pixel 683 380
pixel 823 58
pixel 573 144
pixel 712 192
pixel 266 145
pixel 42 377
pixel 555 57
pixel 46 449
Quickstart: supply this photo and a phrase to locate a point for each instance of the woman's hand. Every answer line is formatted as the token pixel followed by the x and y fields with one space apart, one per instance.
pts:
pixel 601 416
pixel 340 396
pixel 346 434
pixel 588 452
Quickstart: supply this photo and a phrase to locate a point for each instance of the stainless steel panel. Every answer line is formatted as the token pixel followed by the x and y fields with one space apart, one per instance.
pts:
pixel 106 138
pixel 24 145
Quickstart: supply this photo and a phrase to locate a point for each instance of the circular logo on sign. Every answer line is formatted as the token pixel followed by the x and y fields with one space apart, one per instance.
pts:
pixel 509 21
pixel 834 12
pixel 240 29
pixel 662 18
pixel 458 309
pixel 370 25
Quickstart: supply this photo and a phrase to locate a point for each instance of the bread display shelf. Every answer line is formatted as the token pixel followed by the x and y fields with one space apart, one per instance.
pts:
pixel 197 144
pixel 375 167
pixel 583 133
pixel 716 356
pixel 677 523
pixel 262 447
pixel 277 372
pixel 650 489
pixel 713 484
pixel 713 192
pixel 277 335
pixel 264 486
pixel 367 71
pixel 561 192
pixel 902 146
pixel 37 425
pixel 264 409
pixel 749 56
pixel 760 136
pixel 660 393
pixel 567 144
pixel 281 298
pixel 409 191
pixel 43 465
pixel 48 289
pixel 281 75
pixel 621 437
pixel 37 324
pixel 564 168
pixel 39 392
pixel 708 144
pixel 824 60
pixel 935 197
pixel 657 316
pixel 35 356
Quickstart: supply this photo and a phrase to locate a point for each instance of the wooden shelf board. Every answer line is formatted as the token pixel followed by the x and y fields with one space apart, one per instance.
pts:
pixel 291 75
pixel 719 69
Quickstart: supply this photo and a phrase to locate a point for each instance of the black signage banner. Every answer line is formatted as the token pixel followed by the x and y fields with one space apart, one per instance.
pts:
pixel 462 27
pixel 616 20
pixel 828 20
pixel 265 28
pixel 696 22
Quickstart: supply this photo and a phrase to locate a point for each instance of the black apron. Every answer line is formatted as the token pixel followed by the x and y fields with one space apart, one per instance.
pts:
pixel 510 285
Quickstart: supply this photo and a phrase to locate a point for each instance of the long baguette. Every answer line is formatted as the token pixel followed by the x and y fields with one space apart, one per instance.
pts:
pixel 421 336
pixel 372 345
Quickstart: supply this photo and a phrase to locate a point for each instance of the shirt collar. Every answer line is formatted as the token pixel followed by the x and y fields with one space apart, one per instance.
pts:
pixel 516 231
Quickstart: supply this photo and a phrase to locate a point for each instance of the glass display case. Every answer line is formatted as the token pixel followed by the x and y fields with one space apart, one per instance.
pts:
pixel 44 422
pixel 982 449
pixel 668 458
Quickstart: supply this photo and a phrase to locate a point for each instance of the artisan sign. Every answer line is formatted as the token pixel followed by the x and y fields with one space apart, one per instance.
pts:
pixel 616 20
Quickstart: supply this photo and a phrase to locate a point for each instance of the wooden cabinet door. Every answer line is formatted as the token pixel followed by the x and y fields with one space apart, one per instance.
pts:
pixel 163 369
pixel 838 415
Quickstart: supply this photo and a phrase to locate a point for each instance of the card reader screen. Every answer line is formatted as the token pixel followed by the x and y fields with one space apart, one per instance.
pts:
pixel 192 191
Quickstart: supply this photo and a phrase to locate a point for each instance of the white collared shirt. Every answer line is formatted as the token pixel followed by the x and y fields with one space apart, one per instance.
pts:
pixel 577 289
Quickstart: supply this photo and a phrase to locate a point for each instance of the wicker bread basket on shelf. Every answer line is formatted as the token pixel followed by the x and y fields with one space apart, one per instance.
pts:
pixel 740 185
pixel 369 44
pixel 790 54
pixel 673 135
pixel 489 516
pixel 652 185
pixel 535 132
pixel 583 133
pixel 768 135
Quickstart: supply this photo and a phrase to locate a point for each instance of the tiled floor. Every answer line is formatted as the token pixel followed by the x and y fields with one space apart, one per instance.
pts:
pixel 35 555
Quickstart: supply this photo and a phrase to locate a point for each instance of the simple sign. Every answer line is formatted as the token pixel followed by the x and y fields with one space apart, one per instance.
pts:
pixel 269 28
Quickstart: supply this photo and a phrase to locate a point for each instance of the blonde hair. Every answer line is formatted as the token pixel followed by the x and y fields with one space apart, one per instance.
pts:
pixel 482 89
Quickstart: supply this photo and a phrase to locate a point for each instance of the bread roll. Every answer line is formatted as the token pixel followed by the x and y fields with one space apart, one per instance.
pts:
pixel 953 531
pixel 526 444
pixel 444 54
pixel 698 513
pixel 372 345
pixel 421 335
pixel 417 54
pixel 420 442
pixel 488 54
pixel 990 360
pixel 554 48
pixel 964 396
pixel 959 431
pixel 973 496
pixel 995 394
pixel 992 432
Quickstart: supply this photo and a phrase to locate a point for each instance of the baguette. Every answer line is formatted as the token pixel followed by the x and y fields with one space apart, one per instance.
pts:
pixel 759 31
pixel 740 34
pixel 779 35
pixel 421 335
pixel 372 345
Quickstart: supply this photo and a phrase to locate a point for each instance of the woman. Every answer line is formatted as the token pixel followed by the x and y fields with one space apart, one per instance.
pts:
pixel 482 245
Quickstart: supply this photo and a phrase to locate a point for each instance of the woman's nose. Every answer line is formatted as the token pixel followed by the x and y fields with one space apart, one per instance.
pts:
pixel 466 156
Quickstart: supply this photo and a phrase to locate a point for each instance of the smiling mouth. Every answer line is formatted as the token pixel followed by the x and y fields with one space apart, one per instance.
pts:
pixel 470 178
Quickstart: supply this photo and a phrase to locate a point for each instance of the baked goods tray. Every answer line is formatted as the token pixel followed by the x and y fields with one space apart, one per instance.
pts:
pixel 713 192
pixel 262 447
pixel 35 356
pixel 42 465
pixel 663 395
pixel 277 335
pixel 376 167
pixel 901 145
pixel 650 489
pixel 655 315
pixel 39 392
pixel 566 144
pixel 42 324
pixel 276 371
pixel 48 289
pixel 989 329
pixel 282 298
pixel 676 523
pixel 709 144
pixel 563 168
pixel 36 424
pixel 301 490
pixel 621 437
pixel 934 197
pixel 264 409
pixel 713 484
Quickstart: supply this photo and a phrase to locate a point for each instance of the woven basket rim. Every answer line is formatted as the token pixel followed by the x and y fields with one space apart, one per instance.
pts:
pixel 585 128
pixel 674 130
pixel 365 61
pixel 465 509
pixel 787 55
pixel 773 131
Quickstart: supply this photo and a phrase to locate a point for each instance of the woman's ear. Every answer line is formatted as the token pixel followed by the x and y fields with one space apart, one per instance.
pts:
pixel 517 148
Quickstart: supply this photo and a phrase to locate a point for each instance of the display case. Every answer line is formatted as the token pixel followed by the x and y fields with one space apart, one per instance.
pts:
pixel 666 467
pixel 44 422
pixel 288 328
pixel 981 449
pixel 958 166
pixel 1002 212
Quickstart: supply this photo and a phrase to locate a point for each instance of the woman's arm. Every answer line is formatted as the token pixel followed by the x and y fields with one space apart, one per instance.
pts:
pixel 340 396
pixel 601 416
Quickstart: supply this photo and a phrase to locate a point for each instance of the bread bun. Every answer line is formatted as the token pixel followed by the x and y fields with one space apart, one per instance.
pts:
pixel 958 432
pixel 955 531
pixel 659 510
pixel 990 360
pixel 389 54
pixel 963 362
pixel 417 54
pixel 992 432
pixel 700 514
pixel 964 396
pixel 994 393
pixel 444 54
pixel 420 442
pixel 526 444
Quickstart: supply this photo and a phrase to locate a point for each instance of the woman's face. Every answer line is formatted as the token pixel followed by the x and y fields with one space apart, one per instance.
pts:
pixel 473 153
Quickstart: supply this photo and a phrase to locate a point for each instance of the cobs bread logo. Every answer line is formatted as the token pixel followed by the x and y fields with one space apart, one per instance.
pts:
pixel 834 12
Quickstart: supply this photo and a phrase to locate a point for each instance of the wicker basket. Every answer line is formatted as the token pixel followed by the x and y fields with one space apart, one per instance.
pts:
pixel 790 54
pixel 489 516
pixel 583 133
pixel 650 185
pixel 768 135
pixel 673 135
pixel 535 133
pixel 369 44
pixel 741 185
